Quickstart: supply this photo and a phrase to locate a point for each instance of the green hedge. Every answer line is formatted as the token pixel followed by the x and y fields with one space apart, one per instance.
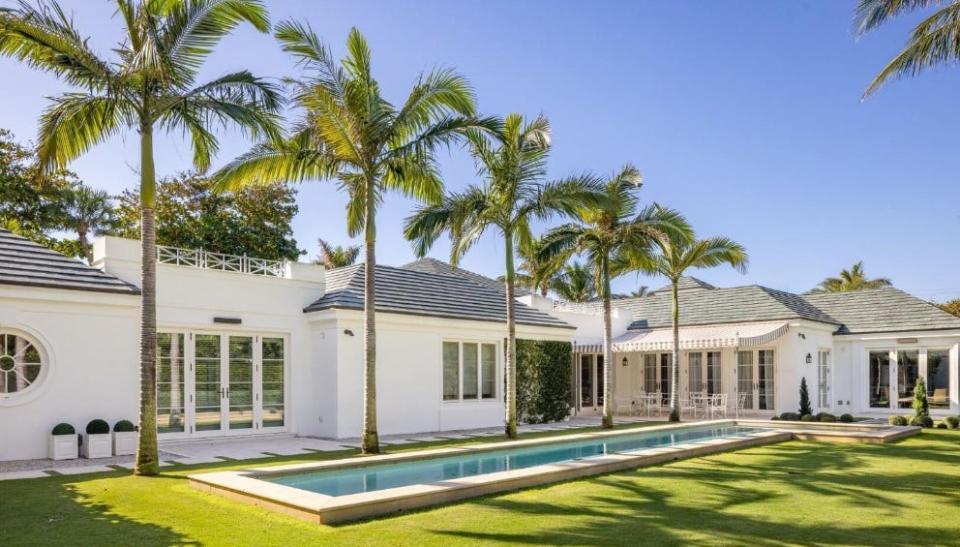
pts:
pixel 543 381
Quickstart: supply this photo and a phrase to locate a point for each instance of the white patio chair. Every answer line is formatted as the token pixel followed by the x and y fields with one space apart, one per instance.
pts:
pixel 621 403
pixel 718 405
pixel 688 404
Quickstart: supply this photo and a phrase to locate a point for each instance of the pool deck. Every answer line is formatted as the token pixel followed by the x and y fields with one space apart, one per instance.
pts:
pixel 247 485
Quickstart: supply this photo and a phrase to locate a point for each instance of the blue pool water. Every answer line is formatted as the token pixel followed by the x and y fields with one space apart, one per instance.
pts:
pixel 392 475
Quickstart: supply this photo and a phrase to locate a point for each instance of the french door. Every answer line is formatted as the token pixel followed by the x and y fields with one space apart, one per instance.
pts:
pixel 591 381
pixel 220 383
pixel 756 372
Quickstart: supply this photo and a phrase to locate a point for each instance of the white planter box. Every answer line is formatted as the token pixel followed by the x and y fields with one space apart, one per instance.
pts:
pixel 124 443
pixel 63 447
pixel 97 446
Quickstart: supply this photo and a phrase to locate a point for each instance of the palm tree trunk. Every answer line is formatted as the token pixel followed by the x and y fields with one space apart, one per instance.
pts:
pixel 85 245
pixel 675 358
pixel 607 420
pixel 370 443
pixel 147 459
pixel 510 366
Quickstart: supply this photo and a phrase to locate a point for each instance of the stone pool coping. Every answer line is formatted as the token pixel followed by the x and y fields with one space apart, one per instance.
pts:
pixel 246 485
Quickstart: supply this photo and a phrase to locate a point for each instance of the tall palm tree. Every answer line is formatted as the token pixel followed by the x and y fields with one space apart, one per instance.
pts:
pixel 601 233
pixel 641 291
pixel 933 41
pixel 513 164
pixel 87 211
pixel 853 279
pixel 350 133
pixel 335 256
pixel 575 283
pixel 149 85
pixel 677 255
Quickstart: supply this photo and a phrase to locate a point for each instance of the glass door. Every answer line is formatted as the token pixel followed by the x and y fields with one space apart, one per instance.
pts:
pixel 239 387
pixel 823 378
pixel 599 381
pixel 745 379
pixel 908 370
pixel 665 360
pixel 208 387
pixel 586 381
pixel 765 380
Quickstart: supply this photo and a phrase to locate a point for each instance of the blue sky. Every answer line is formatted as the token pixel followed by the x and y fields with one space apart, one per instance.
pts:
pixel 743 115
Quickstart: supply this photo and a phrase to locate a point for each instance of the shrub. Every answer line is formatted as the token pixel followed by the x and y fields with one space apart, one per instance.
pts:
pixel 97 427
pixel 846 418
pixel 808 418
pixel 543 381
pixel 774 417
pixel 826 417
pixel 897 420
pixel 790 416
pixel 920 405
pixel 921 421
pixel 64 429
pixel 804 398
pixel 941 425
pixel 124 426
pixel 953 422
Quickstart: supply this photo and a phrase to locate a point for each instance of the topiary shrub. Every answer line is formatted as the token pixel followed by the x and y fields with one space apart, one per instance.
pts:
pixel 941 425
pixel 921 421
pixel 774 418
pixel 953 422
pixel 826 417
pixel 543 380
pixel 64 429
pixel 97 427
pixel 846 418
pixel 897 420
pixel 808 418
pixel 920 405
pixel 790 416
pixel 805 407
pixel 124 426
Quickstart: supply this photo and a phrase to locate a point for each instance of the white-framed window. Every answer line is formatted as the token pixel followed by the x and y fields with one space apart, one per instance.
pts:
pixel 714 385
pixel 823 378
pixel 21 364
pixel 650 372
pixel 695 371
pixel 469 371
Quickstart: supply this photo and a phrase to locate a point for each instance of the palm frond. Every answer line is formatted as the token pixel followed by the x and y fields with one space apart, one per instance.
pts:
pixel 870 14
pixel 271 162
pixel 76 122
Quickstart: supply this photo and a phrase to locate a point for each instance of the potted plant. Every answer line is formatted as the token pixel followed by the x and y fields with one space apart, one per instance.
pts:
pixel 63 442
pixel 124 438
pixel 96 441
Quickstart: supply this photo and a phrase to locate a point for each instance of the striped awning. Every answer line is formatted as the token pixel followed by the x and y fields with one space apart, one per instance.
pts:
pixel 741 335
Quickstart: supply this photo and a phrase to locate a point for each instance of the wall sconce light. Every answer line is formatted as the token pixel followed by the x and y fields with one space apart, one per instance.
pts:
pixel 348 332
pixel 801 335
pixel 624 362
pixel 809 358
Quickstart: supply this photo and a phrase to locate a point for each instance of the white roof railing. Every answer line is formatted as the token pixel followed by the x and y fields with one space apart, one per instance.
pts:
pixel 205 260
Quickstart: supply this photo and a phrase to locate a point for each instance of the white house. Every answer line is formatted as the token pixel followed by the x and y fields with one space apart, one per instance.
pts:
pixel 256 347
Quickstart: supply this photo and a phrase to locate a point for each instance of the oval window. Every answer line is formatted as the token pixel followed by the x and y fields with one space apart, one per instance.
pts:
pixel 20 363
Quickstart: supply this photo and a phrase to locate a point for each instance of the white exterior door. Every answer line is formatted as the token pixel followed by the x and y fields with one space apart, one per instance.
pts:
pixel 756 379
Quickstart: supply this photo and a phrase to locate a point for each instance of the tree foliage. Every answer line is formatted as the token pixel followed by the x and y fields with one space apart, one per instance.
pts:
pixel 253 221
pixel 921 407
pixel 543 380
pixel 575 283
pixel 951 306
pixel 933 42
pixel 853 279
pixel 805 407
pixel 336 256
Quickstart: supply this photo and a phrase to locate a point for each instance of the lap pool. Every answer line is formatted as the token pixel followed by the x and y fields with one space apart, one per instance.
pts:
pixel 383 476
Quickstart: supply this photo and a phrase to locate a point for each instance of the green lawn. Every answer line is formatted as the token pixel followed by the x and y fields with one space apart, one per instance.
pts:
pixel 791 493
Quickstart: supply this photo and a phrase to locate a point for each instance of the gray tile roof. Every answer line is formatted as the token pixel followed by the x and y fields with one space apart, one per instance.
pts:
pixel 432 265
pixel 686 283
pixel 415 292
pixel 886 309
pixel 23 262
pixel 723 305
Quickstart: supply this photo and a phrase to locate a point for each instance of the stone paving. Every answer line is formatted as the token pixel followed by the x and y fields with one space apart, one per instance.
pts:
pixel 192 452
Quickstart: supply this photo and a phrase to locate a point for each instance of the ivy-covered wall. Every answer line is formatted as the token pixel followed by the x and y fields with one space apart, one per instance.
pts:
pixel 543 380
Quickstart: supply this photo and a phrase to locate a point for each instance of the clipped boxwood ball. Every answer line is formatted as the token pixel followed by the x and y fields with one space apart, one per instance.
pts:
pixel 846 418
pixel 808 418
pixel 826 417
pixel 897 420
pixel 97 427
pixel 64 429
pixel 124 426
pixel 952 422
pixel 789 416
pixel 921 421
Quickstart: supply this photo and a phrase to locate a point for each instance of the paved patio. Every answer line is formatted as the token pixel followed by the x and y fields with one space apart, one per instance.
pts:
pixel 199 451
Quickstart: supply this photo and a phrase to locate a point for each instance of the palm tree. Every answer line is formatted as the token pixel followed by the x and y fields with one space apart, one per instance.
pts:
pixel 851 280
pixel 641 291
pixel 602 232
pixel 87 211
pixel 576 283
pixel 149 85
pixel 933 41
pixel 335 256
pixel 532 273
pixel 351 134
pixel 513 164
pixel 677 255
